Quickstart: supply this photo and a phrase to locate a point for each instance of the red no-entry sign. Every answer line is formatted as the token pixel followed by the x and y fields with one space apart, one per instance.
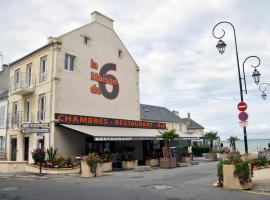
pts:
pixel 242 106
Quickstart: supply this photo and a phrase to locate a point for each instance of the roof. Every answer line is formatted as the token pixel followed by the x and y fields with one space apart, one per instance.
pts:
pixel 4 95
pixel 33 52
pixel 157 113
pixel 192 124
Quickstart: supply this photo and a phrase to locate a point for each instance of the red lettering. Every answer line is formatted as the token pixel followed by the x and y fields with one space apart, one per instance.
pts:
pixel 60 118
pixel 94 65
pixel 68 118
pixel 95 120
pixel 83 120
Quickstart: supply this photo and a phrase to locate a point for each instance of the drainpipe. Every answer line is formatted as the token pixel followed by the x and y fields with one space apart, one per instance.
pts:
pixel 6 129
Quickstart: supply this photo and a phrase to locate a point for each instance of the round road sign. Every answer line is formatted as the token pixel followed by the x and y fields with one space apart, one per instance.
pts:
pixel 242 106
pixel 243 116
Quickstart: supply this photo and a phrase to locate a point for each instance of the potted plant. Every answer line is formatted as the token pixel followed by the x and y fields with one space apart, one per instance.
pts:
pixel 151 160
pixel 167 161
pixel 211 136
pixel 184 154
pixel 236 173
pixel 91 166
pixel 128 159
pixel 106 162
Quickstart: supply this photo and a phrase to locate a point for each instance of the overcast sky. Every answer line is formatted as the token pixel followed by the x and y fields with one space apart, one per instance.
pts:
pixel 173 45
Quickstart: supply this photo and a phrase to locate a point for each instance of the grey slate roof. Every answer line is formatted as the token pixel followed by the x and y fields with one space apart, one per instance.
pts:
pixel 157 113
pixel 192 124
pixel 4 95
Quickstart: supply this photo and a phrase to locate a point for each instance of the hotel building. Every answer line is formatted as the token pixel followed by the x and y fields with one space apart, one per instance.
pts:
pixel 80 93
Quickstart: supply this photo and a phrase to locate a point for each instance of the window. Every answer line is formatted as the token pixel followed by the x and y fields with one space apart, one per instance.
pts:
pixel 2 116
pixel 41 107
pixel 86 40
pixel 43 69
pixel 69 62
pixel 27 110
pixel 28 75
pixel 15 114
pixel 17 78
pixel 120 53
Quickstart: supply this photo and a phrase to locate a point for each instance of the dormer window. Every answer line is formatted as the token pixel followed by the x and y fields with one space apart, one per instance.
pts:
pixel 86 40
pixel 120 53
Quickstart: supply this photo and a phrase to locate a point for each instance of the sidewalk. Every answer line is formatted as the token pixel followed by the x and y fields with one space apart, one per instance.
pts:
pixel 28 175
pixel 261 180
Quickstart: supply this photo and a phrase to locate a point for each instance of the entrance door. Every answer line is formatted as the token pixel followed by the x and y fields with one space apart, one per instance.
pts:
pixel 26 148
pixel 13 149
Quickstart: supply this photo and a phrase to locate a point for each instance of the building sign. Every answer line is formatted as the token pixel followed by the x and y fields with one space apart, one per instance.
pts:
pixel 109 122
pixel 35 130
pixel 35 125
pixel 112 138
pixel 103 78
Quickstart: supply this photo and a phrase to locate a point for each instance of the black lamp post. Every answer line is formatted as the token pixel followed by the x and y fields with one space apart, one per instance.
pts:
pixel 262 88
pixel 221 45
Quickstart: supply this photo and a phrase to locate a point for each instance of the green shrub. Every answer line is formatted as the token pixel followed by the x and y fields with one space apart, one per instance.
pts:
pixel 199 150
pixel 242 171
pixel 220 171
pixel 51 154
pixel 38 155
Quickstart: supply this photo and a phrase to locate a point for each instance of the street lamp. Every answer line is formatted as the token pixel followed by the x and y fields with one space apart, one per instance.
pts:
pixel 221 45
pixel 262 88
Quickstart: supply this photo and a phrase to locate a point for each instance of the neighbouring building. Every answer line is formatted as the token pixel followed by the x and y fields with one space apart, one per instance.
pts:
pixel 80 93
pixel 4 79
pixel 3 123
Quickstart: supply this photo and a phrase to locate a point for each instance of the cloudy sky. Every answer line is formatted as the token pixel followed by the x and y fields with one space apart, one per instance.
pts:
pixel 173 45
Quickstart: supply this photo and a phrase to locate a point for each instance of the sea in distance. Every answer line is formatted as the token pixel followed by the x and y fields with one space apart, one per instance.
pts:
pixel 254 145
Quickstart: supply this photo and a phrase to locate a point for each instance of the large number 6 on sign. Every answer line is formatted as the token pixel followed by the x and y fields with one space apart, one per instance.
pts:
pixel 110 80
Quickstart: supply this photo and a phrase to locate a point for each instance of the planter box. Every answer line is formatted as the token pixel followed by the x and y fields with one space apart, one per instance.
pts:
pixel 86 172
pixel 186 159
pixel 232 182
pixel 152 162
pixel 106 167
pixel 129 164
pixel 167 163
pixel 164 163
pixel 173 163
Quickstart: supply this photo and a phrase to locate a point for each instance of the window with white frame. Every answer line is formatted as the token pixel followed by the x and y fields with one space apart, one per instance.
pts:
pixel 41 107
pixel 70 62
pixel 27 113
pixel 43 69
pixel 17 79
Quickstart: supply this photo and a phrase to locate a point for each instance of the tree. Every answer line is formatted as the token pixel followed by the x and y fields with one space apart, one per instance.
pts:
pixel 211 136
pixel 167 137
pixel 232 140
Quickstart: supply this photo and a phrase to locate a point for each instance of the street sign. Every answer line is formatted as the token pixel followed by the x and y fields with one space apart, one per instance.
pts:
pixel 36 125
pixel 242 106
pixel 35 130
pixel 242 124
pixel 243 116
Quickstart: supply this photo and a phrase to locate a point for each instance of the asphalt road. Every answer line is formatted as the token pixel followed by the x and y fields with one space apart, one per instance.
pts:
pixel 191 183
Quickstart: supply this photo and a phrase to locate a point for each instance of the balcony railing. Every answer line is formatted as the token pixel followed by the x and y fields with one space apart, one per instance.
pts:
pixel 16 119
pixel 22 84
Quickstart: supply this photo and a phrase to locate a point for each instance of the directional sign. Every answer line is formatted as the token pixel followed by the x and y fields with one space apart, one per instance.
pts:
pixel 243 116
pixel 35 130
pixel 242 106
pixel 36 125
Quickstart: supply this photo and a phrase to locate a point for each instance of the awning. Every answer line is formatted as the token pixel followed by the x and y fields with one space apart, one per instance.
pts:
pixel 115 134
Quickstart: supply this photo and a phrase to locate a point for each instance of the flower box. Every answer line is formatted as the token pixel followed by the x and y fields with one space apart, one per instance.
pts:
pixel 129 164
pixel 106 167
pixel 230 181
pixel 152 162
pixel 86 171
pixel 167 163
pixel 186 159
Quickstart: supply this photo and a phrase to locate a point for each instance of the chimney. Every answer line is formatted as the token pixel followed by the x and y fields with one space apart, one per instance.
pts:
pixel 188 119
pixel 102 19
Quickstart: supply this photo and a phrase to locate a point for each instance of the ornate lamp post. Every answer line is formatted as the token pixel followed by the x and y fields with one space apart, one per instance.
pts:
pixel 262 88
pixel 221 45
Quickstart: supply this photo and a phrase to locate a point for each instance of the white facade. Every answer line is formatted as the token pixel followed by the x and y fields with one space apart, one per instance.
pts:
pixel 3 118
